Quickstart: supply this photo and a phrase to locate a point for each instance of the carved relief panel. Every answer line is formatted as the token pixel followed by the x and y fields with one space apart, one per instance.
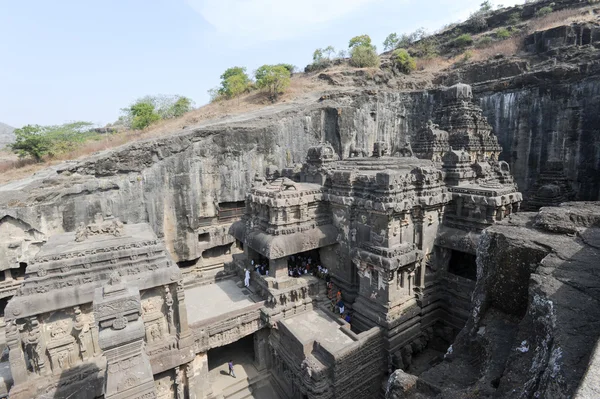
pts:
pixel 154 315
pixel 165 385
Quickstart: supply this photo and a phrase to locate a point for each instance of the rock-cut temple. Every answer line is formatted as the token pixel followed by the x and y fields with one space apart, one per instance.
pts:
pixel 357 267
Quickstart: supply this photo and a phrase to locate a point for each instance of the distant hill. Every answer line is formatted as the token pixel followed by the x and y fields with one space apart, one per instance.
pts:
pixel 6 134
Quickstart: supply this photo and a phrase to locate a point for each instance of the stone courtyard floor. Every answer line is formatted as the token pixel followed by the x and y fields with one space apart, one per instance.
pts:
pixel 248 382
pixel 208 301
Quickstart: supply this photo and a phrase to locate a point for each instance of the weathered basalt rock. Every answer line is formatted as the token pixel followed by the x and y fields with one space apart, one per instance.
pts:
pixel 535 307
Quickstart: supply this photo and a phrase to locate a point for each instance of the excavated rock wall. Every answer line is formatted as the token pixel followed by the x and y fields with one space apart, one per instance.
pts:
pixel 175 182
pixel 533 324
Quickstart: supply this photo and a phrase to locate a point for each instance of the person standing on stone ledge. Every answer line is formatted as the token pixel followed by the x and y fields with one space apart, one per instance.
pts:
pixel 230 364
pixel 246 278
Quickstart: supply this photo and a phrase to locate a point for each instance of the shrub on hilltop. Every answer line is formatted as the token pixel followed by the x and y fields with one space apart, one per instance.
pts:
pixel 362 53
pixel 274 79
pixel 37 141
pixel 403 61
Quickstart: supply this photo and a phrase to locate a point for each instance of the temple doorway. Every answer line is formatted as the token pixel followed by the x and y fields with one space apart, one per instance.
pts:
pixel 463 264
pixel 308 262
pixel 240 352
pixel 249 380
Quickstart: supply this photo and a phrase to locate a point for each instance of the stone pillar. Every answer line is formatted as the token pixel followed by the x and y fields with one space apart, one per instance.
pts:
pixel 185 337
pixel 196 373
pixel 261 349
pixel 8 275
pixel 16 357
pixel 170 310
pixel 117 310
pixel 278 268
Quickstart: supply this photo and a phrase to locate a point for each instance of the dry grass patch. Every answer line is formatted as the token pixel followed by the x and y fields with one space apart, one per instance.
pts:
pixel 300 85
pixel 562 17
pixel 508 47
pixel 433 64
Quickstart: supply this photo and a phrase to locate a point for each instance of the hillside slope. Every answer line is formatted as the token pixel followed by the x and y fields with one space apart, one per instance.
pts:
pixel 6 134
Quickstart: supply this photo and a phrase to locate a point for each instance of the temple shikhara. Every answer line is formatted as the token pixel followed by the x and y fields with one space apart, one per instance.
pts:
pixel 336 273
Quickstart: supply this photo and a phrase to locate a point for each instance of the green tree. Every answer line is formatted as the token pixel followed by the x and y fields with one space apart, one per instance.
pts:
pixel 403 61
pixel 360 41
pixel 182 106
pixel 32 141
pixel 272 78
pixel 318 56
pixel 477 21
pixel 486 6
pixel 291 68
pixel 364 56
pixel 328 52
pixel 542 12
pixel 234 71
pixel 143 115
pixel 39 141
pixel 503 33
pixel 391 42
pixel 237 85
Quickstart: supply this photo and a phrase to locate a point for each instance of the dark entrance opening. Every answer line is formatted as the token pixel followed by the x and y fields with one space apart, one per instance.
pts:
pixel 19 274
pixel 463 264
pixel 216 252
pixel 3 303
pixel 240 352
pixel 304 263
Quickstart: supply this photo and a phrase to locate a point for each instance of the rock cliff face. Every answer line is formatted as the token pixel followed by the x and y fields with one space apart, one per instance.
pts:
pixel 535 313
pixel 541 107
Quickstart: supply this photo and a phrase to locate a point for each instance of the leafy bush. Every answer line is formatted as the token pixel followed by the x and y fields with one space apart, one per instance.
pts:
pixel 406 40
pixel 463 40
pixel 364 56
pixel 143 115
pixel 38 141
pixel 291 68
pixel 225 89
pixel 426 48
pixel 403 61
pixel 514 18
pixel 272 78
pixel 483 41
pixel 360 41
pixel 165 106
pixel 477 21
pixel 321 58
pixel 503 33
pixel 391 42
pixel 542 12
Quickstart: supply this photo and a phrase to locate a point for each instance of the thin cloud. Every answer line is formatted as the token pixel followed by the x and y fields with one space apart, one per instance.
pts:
pixel 264 20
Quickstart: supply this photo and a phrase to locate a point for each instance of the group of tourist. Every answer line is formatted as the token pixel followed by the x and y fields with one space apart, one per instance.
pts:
pixel 299 265
pixel 260 267
pixel 339 307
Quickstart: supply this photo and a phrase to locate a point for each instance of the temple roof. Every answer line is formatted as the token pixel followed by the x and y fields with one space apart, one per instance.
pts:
pixel 279 246
pixel 71 266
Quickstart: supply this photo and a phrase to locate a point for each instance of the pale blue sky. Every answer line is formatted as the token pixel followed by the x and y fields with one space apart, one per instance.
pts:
pixel 68 60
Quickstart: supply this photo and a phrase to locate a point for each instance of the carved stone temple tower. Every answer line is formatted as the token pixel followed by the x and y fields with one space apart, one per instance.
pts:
pixel 118 311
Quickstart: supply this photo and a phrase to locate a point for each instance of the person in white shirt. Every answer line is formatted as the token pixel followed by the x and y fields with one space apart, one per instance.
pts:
pixel 247 278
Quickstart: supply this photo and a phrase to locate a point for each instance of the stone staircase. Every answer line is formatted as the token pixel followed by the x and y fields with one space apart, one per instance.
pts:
pixel 208 275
